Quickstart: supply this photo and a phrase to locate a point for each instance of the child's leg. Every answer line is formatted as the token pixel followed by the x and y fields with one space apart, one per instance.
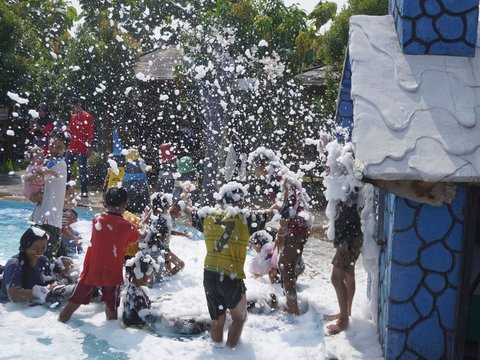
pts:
pixel 111 297
pixel 216 329
pixel 81 295
pixel 159 258
pixel 172 259
pixel 111 314
pixel 273 275
pixel 239 316
pixel 67 311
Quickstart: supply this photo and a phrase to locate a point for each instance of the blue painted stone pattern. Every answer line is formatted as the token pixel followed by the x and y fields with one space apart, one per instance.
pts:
pixel 344 116
pixel 423 301
pixel 424 28
pixel 427 328
pixel 419 272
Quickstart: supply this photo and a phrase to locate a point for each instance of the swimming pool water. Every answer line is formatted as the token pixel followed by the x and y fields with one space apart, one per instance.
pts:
pixel 14 217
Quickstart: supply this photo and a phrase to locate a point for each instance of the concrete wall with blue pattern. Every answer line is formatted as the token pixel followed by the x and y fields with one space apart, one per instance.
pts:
pixel 419 276
pixel 436 27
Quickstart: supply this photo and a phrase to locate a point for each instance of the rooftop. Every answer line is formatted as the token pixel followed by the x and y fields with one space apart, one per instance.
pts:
pixel 416 117
pixel 159 64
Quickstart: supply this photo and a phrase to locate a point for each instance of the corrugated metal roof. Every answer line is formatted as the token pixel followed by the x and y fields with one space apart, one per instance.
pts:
pixel 313 77
pixel 159 64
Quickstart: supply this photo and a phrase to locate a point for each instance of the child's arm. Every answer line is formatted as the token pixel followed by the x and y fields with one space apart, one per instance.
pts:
pixel 30 177
pixel 105 181
pixel 46 171
pixel 37 197
pixel 143 231
pixel 68 234
pixel 185 233
pixel 147 213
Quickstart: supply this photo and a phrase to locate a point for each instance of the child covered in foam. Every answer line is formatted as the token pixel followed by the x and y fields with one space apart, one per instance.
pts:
pixel 265 255
pixel 137 306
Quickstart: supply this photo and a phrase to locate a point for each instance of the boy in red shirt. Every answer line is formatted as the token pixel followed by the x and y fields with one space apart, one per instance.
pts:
pixel 103 264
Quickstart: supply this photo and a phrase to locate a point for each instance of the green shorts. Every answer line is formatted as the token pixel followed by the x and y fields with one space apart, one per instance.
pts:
pixel 344 260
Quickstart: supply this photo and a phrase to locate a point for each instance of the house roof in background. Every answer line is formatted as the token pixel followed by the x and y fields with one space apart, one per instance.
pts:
pixel 416 117
pixel 159 64
pixel 314 77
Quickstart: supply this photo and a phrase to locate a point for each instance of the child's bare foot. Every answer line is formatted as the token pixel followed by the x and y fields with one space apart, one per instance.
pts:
pixel 331 317
pixel 340 325
pixel 67 311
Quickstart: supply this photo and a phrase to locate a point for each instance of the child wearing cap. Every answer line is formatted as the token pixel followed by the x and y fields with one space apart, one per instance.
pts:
pixel 103 264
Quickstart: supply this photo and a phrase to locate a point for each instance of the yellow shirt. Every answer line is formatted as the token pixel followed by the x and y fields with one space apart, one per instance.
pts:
pixel 132 248
pixel 226 239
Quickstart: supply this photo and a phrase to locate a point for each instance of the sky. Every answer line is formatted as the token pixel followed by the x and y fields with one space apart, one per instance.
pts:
pixel 308 5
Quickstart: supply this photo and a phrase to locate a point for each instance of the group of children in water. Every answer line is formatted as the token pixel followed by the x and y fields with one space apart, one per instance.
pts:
pixel 124 248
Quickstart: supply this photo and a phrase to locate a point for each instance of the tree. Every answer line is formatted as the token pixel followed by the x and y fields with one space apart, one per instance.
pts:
pixel 323 13
pixel 101 59
pixel 33 36
pixel 31 46
pixel 242 58
pixel 333 43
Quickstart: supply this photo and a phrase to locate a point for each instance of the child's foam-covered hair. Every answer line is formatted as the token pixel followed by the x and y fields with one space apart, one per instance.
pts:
pixel 262 237
pixel 262 155
pixel 31 235
pixel 161 200
pixel 141 265
pixel 31 151
pixel 231 193
pixel 58 264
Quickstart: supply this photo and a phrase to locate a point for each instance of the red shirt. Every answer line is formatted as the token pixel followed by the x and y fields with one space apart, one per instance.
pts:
pixel 81 130
pixel 103 264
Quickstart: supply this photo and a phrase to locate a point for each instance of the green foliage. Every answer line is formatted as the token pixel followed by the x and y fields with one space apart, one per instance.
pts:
pixel 12 165
pixel 98 63
pixel 264 44
pixel 322 13
pixel 12 62
pixel 33 35
pixel 333 43
pixel 97 169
